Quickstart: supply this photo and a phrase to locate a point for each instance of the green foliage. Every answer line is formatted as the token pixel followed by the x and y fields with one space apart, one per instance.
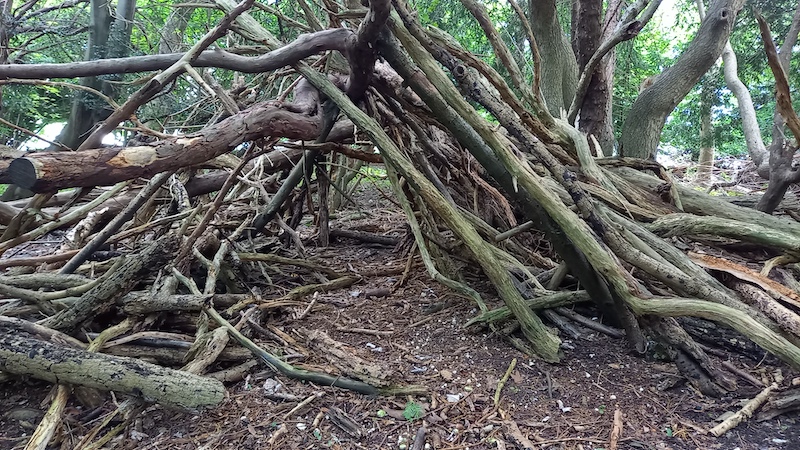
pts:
pixel 31 108
pixel 683 127
pixel 413 411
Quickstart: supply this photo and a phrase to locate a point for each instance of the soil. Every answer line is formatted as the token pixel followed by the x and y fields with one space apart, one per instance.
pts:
pixel 415 336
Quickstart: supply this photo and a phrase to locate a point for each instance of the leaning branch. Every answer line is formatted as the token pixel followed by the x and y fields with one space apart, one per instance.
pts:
pixel 782 95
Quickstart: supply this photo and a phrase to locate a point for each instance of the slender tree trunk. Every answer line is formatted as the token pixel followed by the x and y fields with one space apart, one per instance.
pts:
pixel 5 19
pixel 559 68
pixel 86 108
pixel 706 158
pixel 750 128
pixel 641 131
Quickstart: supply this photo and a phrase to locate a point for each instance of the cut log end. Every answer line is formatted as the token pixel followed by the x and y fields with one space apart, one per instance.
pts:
pixel 23 173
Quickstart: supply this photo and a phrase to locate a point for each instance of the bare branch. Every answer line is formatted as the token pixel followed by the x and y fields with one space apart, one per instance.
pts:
pixel 304 46
pixel 782 95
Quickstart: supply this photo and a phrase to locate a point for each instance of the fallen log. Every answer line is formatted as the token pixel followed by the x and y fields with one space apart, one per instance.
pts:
pixel 22 354
pixel 51 171
pixel 143 302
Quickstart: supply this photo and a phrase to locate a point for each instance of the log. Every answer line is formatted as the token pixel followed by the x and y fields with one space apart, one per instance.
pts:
pixel 103 295
pixel 143 302
pixel 51 171
pixel 173 356
pixel 22 354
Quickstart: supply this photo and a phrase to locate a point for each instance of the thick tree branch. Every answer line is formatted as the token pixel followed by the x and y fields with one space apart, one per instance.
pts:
pixel 782 172
pixel 50 171
pixel 782 95
pixel 304 46
pixel 645 121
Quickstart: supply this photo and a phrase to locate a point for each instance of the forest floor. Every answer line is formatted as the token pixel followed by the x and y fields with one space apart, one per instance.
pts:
pixel 415 335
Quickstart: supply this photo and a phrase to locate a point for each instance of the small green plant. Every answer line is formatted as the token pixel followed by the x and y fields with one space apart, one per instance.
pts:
pixel 601 409
pixel 412 411
pixel 381 413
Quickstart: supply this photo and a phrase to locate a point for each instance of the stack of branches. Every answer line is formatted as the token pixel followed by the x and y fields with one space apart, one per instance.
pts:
pixel 619 226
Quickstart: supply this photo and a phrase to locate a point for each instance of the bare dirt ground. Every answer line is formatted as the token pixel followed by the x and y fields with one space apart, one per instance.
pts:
pixel 415 335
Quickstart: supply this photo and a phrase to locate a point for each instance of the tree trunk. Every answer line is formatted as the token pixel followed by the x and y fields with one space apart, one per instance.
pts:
pixel 641 131
pixel 782 170
pixel 706 158
pixel 86 108
pixel 750 128
pixel 5 23
pixel 596 108
pixel 559 68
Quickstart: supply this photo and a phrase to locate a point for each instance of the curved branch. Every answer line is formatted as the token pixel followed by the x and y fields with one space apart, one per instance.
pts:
pixel 645 121
pixel 304 46
pixel 782 96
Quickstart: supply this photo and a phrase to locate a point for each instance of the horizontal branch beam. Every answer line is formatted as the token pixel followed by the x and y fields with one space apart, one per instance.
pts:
pixel 304 46
pixel 51 171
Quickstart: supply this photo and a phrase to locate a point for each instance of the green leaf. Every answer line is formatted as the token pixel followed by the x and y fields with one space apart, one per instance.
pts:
pixel 412 411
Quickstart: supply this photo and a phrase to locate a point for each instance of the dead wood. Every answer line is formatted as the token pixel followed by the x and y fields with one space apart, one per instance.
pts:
pixel 23 354
pixel 781 403
pixel 114 285
pixel 43 172
pixel 345 359
pixel 364 236
pixel 142 302
pixel 619 230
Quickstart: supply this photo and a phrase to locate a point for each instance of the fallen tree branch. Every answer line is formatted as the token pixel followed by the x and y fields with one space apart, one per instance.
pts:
pixel 22 354
pixel 745 413
pixel 300 374
pixel 50 171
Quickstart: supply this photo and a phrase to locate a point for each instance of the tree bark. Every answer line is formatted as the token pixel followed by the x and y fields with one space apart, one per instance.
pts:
pixel 86 108
pixel 116 284
pixel 23 354
pixel 50 171
pixel 559 68
pixel 595 109
pixel 706 158
pixel 750 128
pixel 782 170
pixel 641 131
